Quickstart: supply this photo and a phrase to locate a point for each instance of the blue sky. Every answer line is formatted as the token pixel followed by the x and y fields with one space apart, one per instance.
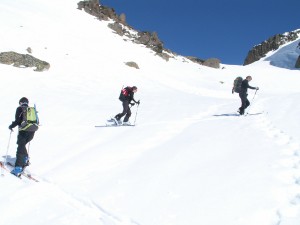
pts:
pixel 224 29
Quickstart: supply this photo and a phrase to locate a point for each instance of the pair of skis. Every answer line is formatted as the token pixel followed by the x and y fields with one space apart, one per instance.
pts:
pixel 114 123
pixel 9 167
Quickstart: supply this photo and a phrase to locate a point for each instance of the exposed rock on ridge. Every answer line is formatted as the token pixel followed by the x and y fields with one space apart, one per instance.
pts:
pixel 273 43
pixel 212 62
pixel 149 39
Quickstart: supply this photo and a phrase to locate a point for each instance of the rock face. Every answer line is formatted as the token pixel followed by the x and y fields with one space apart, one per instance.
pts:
pixel 273 43
pixel 212 62
pixel 101 12
pixel 149 39
pixel 21 60
pixel 297 65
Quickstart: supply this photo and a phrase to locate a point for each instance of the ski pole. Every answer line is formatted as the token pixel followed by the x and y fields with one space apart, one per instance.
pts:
pixel 28 148
pixel 5 161
pixel 137 108
pixel 8 146
pixel 28 153
pixel 251 102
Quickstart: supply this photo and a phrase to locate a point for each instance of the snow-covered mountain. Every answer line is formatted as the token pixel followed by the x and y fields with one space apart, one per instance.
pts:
pixel 289 58
pixel 286 56
pixel 189 160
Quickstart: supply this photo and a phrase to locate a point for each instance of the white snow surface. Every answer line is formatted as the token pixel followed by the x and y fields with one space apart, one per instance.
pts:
pixel 189 160
pixel 286 56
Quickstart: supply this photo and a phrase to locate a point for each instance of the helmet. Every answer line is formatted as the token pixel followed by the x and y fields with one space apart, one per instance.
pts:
pixel 134 88
pixel 23 100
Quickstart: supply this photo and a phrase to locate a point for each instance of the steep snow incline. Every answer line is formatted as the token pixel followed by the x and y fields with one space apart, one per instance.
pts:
pixel 190 160
pixel 286 56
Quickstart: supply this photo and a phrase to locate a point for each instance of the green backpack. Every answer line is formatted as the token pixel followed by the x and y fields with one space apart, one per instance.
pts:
pixel 30 121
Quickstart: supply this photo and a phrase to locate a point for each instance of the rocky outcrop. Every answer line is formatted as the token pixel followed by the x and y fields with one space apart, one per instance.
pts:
pixel 196 60
pixel 105 13
pixel 146 38
pixel 212 62
pixel 297 65
pixel 22 60
pixel 118 28
pixel 149 39
pixel 101 12
pixel 273 43
pixel 132 64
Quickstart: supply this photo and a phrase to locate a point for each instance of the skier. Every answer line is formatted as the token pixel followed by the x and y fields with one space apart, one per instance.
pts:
pixel 24 137
pixel 126 96
pixel 244 93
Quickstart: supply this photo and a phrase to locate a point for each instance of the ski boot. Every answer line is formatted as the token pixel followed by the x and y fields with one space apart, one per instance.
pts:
pixel 17 171
pixel 117 121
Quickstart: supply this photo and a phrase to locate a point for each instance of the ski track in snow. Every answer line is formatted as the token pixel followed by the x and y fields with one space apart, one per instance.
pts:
pixel 195 95
pixel 289 165
pixel 169 130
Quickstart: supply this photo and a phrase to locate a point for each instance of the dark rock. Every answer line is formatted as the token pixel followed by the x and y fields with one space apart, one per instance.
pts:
pixel 29 50
pixel 212 62
pixel 165 56
pixel 117 28
pixel 196 60
pixel 273 43
pixel 151 40
pixel 132 64
pixel 93 7
pixel 21 60
pixel 297 65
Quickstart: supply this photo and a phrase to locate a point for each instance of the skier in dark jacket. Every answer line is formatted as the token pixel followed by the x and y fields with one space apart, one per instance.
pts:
pixel 126 96
pixel 24 137
pixel 244 93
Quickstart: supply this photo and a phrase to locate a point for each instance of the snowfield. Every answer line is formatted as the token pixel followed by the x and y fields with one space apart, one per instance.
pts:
pixel 189 160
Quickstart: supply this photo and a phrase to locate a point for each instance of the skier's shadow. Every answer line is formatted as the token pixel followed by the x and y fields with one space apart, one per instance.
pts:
pixel 237 114
pixel 227 114
pixel 253 114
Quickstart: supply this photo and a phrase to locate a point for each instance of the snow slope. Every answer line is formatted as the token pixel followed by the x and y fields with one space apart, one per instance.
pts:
pixel 286 56
pixel 190 159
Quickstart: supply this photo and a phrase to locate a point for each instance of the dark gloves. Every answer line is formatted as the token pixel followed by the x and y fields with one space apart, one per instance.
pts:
pixel 10 127
pixel 257 88
pixel 136 102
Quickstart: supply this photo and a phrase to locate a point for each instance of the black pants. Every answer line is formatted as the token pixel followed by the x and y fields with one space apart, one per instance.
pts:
pixel 126 111
pixel 245 103
pixel 23 138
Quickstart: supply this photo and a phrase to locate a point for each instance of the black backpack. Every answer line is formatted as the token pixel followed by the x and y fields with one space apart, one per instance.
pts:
pixel 237 85
pixel 124 93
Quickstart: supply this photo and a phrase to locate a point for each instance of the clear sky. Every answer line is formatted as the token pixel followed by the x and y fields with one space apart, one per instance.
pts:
pixel 224 29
